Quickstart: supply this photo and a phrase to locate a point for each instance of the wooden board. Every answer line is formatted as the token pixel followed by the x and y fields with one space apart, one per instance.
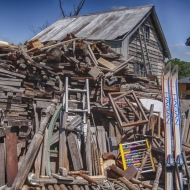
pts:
pixel 10 79
pixel 113 145
pixel 106 63
pixel 75 152
pixel 101 139
pixel 21 122
pixel 11 89
pixel 94 72
pixel 12 73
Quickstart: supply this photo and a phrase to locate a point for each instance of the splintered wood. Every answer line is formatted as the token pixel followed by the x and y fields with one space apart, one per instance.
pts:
pixel 65 108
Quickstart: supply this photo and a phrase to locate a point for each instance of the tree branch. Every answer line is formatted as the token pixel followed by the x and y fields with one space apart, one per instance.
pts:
pixel 45 25
pixel 32 28
pixel 79 7
pixel 60 5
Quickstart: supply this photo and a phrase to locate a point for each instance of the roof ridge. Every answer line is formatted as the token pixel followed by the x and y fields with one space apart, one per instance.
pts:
pixel 109 11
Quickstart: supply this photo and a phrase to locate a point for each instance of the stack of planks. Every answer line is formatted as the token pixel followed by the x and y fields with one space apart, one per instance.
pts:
pixel 42 146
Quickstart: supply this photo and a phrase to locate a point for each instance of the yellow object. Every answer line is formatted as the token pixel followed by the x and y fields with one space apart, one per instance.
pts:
pixel 137 154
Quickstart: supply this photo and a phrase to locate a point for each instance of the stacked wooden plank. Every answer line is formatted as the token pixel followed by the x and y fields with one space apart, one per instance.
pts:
pixel 35 148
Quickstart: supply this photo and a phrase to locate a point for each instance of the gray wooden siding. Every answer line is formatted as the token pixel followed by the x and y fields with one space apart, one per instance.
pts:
pixel 115 45
pixel 155 51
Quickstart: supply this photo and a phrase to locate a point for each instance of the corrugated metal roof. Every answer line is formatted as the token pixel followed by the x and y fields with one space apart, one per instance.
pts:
pixel 108 25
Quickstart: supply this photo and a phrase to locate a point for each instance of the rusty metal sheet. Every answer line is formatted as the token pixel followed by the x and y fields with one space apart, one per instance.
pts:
pixel 11 155
pixel 2 162
pixel 130 172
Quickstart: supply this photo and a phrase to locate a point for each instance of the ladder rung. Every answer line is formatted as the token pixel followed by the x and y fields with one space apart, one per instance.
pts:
pixel 77 110
pixel 76 90
pixel 76 101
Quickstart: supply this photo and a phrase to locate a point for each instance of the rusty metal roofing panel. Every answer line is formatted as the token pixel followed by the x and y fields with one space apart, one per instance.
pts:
pixel 98 26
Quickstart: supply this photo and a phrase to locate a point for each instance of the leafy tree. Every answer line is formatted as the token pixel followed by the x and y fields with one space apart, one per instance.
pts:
pixel 184 67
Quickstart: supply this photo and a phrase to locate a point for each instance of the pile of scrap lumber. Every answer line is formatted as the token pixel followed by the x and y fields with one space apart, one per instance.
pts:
pixel 73 116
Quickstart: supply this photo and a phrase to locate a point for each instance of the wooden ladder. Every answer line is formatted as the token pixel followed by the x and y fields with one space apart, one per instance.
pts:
pixel 146 59
pixel 85 100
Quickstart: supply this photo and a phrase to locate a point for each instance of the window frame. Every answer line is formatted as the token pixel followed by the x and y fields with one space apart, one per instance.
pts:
pixel 146 30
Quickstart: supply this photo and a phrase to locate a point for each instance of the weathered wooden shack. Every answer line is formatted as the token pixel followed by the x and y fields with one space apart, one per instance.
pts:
pixel 132 31
pixel 184 87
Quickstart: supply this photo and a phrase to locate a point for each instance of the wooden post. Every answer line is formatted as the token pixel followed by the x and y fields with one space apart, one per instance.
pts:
pixel 37 163
pixel 158 173
pixel 43 166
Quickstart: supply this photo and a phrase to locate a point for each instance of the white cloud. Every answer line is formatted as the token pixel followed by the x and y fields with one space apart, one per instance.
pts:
pixel 179 44
pixel 118 7
pixel 188 53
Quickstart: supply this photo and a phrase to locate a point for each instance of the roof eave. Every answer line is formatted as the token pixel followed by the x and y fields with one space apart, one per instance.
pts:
pixel 157 24
pixel 188 42
pixel 161 33
pixel 138 24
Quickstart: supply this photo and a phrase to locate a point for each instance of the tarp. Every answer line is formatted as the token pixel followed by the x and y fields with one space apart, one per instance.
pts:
pixel 158 105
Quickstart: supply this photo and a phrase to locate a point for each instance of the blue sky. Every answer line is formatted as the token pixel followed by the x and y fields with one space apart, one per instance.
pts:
pixel 16 17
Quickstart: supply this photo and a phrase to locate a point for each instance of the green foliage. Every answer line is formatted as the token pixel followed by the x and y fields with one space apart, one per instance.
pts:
pixel 184 67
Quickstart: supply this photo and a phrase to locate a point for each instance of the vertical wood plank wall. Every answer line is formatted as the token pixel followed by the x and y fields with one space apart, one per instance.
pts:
pixel 131 47
pixel 155 50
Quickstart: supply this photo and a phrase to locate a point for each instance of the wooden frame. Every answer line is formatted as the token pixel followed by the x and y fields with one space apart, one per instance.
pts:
pixel 120 116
